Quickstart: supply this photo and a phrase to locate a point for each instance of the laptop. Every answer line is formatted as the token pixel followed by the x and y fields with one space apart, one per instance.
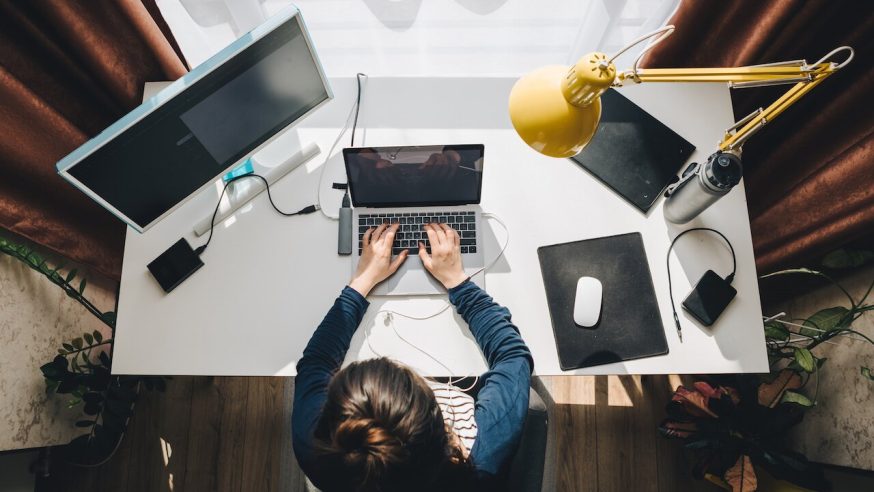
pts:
pixel 413 186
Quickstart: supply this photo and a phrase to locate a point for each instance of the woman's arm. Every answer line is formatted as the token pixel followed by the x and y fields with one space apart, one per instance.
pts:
pixel 327 348
pixel 322 357
pixel 502 403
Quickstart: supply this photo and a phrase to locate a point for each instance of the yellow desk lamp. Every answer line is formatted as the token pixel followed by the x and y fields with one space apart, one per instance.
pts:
pixel 556 109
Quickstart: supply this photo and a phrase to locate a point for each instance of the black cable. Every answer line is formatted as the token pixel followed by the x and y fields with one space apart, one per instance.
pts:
pixel 358 76
pixel 729 278
pixel 306 210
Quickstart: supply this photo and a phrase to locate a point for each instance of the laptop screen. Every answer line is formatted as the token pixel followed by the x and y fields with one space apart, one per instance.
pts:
pixel 423 175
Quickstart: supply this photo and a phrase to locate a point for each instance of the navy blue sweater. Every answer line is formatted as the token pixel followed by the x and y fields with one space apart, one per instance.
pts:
pixel 501 404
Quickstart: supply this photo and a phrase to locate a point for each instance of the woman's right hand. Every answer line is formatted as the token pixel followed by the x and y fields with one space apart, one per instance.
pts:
pixel 376 263
pixel 444 262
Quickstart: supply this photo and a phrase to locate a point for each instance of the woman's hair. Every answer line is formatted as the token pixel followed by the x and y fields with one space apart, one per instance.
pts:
pixel 382 430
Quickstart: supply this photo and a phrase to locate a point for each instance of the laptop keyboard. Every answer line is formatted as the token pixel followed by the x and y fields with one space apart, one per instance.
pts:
pixel 410 231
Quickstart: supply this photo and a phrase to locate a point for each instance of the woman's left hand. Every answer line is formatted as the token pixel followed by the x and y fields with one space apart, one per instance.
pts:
pixel 376 264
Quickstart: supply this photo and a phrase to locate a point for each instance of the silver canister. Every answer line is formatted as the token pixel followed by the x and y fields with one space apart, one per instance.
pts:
pixel 701 186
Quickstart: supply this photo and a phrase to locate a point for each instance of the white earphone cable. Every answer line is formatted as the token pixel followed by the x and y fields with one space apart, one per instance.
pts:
pixel 355 106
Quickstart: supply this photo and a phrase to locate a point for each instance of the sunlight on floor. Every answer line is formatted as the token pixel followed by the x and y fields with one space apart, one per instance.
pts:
pixel 570 390
pixel 167 453
pixel 618 388
pixel 592 390
pixel 611 391
pixel 675 380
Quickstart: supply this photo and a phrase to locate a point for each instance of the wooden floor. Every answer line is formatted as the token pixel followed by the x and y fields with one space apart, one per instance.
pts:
pixel 233 434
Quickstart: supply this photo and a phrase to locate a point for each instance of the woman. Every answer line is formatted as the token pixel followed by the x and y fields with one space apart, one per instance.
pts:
pixel 377 425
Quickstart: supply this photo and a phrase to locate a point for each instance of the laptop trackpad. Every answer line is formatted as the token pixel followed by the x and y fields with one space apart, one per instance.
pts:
pixel 412 278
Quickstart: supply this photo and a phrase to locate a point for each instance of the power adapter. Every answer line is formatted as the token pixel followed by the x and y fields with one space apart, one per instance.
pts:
pixel 709 298
pixel 175 265
pixel 344 226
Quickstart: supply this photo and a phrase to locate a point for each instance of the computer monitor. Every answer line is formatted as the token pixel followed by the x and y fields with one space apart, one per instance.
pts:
pixel 176 143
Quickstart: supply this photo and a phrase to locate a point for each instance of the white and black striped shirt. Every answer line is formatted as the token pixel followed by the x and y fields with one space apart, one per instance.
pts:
pixel 458 409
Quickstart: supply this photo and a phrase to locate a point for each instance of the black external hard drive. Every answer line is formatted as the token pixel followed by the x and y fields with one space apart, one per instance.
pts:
pixel 709 298
pixel 175 265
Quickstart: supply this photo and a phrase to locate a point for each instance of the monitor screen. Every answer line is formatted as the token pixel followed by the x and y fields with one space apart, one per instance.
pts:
pixel 414 176
pixel 173 151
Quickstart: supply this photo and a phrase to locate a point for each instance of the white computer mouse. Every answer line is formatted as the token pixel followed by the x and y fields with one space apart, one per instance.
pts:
pixel 587 304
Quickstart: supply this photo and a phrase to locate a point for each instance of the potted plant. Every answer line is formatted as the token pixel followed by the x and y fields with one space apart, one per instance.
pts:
pixel 82 370
pixel 736 424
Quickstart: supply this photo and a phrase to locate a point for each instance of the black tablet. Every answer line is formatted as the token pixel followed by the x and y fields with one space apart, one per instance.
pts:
pixel 632 152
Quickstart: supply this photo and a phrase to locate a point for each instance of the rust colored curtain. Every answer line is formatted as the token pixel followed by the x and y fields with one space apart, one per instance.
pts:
pixel 809 175
pixel 68 69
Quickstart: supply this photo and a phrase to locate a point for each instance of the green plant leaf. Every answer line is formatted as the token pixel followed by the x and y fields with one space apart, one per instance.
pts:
pixel 774 330
pixel 51 371
pixel 51 385
pixel 824 321
pixel 62 351
pixel 89 339
pixel 85 359
pixel 77 342
pixel 71 275
pixel 109 318
pixel 866 372
pixel 847 258
pixel 104 359
pixel 793 397
pixel 69 347
pixel 82 286
pixel 805 359
pixel 98 336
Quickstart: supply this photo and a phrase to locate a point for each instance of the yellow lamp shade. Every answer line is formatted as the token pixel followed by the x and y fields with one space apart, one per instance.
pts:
pixel 556 109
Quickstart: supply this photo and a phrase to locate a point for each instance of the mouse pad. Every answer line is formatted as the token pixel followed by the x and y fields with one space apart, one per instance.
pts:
pixel 630 326
pixel 632 152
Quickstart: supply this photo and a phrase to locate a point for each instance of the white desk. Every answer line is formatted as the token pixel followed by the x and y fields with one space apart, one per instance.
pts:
pixel 268 280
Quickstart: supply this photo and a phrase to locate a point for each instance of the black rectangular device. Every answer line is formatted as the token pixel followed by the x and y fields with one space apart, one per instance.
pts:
pixel 418 175
pixel 632 152
pixel 175 265
pixel 709 298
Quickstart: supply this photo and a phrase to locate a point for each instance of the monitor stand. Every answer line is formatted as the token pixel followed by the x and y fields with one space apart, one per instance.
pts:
pixel 240 195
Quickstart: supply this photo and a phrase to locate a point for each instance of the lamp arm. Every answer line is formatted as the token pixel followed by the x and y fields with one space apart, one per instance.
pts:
pixel 735 137
pixel 805 77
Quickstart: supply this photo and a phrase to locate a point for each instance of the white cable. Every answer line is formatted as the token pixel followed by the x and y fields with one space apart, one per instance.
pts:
pixel 668 28
pixel 503 248
pixel 832 53
pixel 851 336
pixel 328 157
pixel 662 33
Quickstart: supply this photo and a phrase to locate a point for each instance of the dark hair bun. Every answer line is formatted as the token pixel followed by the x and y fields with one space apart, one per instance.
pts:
pixel 380 430
pixel 364 439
